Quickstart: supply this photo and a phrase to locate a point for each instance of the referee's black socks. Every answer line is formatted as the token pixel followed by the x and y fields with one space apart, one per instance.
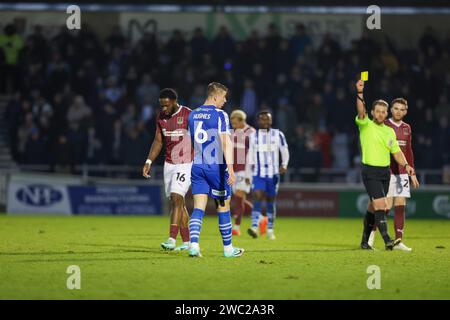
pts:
pixel 381 223
pixel 369 222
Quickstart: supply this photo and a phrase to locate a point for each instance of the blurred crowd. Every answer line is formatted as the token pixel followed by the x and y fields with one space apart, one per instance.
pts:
pixel 78 99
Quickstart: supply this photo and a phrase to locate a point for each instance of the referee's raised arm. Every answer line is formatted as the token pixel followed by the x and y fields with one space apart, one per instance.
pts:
pixel 360 104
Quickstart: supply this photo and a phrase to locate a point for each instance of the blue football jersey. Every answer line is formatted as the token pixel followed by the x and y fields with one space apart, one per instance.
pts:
pixel 206 123
pixel 209 172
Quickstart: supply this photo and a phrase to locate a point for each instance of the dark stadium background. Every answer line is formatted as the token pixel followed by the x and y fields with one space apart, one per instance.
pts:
pixel 83 104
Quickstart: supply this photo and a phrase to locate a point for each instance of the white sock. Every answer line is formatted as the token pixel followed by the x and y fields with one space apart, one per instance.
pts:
pixel 172 240
pixel 228 248
pixel 236 227
pixel 195 245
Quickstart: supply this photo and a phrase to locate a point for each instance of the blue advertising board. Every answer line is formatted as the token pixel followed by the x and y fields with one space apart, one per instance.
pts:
pixel 115 199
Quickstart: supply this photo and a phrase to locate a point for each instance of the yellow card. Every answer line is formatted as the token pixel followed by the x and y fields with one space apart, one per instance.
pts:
pixel 365 75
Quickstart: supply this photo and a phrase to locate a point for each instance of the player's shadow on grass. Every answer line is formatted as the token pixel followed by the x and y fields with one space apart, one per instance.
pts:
pixel 161 254
pixel 306 250
pixel 426 238
pixel 326 247
pixel 93 259
pixel 118 248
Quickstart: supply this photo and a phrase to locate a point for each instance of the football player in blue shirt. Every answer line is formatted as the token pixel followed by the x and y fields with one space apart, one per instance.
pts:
pixel 212 170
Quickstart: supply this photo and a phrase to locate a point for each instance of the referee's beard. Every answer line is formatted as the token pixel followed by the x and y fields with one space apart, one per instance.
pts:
pixel 377 121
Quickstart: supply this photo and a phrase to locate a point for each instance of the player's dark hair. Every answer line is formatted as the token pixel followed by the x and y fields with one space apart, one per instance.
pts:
pixel 213 87
pixel 401 101
pixel 263 112
pixel 168 93
pixel 379 102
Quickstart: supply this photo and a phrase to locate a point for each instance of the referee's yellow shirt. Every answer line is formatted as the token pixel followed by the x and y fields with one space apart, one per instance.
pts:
pixel 377 142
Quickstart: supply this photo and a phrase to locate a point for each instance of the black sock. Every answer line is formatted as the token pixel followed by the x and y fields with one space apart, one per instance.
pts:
pixel 381 222
pixel 369 222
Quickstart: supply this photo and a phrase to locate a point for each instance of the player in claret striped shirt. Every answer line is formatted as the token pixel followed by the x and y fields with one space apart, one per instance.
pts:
pixel 241 138
pixel 172 125
pixel 266 144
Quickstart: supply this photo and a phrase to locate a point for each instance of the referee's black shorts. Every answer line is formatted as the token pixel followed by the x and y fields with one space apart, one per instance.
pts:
pixel 376 180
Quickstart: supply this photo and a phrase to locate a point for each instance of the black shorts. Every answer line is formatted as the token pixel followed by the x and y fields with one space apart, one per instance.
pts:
pixel 376 180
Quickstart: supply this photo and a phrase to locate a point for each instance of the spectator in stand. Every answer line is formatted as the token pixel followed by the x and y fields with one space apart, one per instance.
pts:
pixel 176 48
pixel 130 118
pixel 147 90
pixel 78 112
pixel 340 149
pixel 62 92
pixel 10 45
pixel 249 99
pixel 35 152
pixel 112 92
pixel 199 46
pixel 223 46
pixel 94 153
pixel 299 41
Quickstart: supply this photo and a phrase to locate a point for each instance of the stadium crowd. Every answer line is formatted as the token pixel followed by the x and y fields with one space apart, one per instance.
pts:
pixel 78 99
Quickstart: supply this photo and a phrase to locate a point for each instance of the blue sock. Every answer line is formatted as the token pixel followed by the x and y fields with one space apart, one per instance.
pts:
pixel 256 213
pixel 195 224
pixel 225 227
pixel 270 214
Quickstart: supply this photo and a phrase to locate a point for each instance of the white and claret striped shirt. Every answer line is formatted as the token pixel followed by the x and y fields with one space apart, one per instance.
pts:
pixel 264 153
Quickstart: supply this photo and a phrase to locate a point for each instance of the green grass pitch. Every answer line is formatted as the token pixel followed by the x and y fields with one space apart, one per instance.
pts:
pixel 312 258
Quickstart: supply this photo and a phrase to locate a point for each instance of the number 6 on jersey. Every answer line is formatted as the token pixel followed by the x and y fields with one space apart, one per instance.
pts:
pixel 199 131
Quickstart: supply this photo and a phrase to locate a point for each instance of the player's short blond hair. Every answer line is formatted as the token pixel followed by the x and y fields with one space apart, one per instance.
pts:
pixel 215 87
pixel 241 115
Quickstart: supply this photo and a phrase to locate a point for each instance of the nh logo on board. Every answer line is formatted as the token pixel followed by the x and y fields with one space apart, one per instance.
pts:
pixel 38 195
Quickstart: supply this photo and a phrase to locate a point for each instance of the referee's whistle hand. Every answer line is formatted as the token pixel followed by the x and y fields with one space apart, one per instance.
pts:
pixel 360 86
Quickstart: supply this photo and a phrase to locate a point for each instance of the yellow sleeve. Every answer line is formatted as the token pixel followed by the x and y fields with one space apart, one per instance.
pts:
pixel 362 122
pixel 394 147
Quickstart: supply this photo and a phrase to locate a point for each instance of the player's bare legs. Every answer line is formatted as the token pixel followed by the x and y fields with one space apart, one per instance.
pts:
pixel 399 204
pixel 183 223
pixel 241 203
pixel 176 213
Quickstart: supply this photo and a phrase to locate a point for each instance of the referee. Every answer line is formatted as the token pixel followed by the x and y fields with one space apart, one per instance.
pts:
pixel 378 142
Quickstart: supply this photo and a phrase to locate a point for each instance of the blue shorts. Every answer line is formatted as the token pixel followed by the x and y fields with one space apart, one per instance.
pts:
pixel 210 180
pixel 268 185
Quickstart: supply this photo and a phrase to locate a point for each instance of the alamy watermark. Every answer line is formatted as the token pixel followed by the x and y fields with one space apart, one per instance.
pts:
pixel 74 20
pixel 74 280
pixel 374 280
pixel 373 22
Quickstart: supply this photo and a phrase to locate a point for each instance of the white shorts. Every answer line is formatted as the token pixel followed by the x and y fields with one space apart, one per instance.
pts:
pixel 177 178
pixel 399 186
pixel 240 182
